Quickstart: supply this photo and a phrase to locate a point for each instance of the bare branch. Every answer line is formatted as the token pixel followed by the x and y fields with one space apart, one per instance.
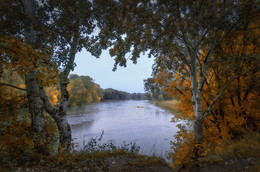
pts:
pixel 179 90
pixel 206 113
pixel 9 85
pixel 201 39
pixel 205 65
pixel 186 43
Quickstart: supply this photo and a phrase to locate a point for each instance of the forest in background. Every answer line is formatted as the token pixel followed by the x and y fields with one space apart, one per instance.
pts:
pixel 206 58
pixel 83 90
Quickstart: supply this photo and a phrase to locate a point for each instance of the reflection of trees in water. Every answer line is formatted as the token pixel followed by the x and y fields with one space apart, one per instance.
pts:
pixel 82 126
pixel 82 110
pixel 78 132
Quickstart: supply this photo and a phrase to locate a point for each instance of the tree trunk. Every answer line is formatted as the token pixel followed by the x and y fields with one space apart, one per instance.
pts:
pixel 36 111
pixel 198 129
pixel 64 129
pixel 197 103
pixel 32 87
pixel 59 114
pixel 62 123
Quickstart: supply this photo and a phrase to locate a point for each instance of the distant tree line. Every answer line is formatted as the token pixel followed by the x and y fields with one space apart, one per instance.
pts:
pixel 154 91
pixel 112 94
pixel 83 90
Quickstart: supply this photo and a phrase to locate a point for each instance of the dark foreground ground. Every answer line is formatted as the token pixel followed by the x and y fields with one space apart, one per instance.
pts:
pixel 131 163
pixel 96 163
pixel 228 165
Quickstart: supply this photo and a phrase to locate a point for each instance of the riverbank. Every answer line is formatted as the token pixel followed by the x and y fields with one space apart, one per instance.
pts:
pixel 122 161
pixel 118 160
pixel 171 106
pixel 238 156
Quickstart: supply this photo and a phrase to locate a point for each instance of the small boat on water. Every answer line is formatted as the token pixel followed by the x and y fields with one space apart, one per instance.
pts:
pixel 139 106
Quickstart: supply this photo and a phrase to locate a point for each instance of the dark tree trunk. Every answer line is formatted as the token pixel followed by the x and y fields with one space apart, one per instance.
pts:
pixel 198 131
pixel 32 87
pixel 62 123
pixel 59 114
pixel 36 111
pixel 64 129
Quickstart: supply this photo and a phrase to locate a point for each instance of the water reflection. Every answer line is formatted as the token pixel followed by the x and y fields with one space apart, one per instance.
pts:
pixel 127 121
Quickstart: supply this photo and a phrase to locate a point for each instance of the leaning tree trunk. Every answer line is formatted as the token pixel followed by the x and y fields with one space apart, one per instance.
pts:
pixel 64 129
pixel 32 88
pixel 61 120
pixel 59 116
pixel 62 123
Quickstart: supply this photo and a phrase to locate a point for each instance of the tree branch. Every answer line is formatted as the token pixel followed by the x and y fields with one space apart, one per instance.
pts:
pixel 206 113
pixel 205 65
pixel 9 85
pixel 46 103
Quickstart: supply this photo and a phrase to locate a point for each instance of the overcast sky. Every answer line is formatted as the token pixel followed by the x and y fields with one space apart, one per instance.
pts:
pixel 129 79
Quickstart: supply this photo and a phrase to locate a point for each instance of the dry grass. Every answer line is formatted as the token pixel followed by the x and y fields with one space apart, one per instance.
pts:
pixel 236 154
pixel 173 107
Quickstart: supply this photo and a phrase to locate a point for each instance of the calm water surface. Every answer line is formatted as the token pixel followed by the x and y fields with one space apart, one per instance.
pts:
pixel 150 126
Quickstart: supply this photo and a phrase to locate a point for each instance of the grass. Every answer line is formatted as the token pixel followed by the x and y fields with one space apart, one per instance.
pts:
pixel 90 161
pixel 169 105
pixel 247 146
pixel 95 156
pixel 242 154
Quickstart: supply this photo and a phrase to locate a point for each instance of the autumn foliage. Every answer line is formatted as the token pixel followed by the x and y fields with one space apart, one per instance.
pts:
pixel 17 56
pixel 213 43
pixel 83 90
pixel 235 113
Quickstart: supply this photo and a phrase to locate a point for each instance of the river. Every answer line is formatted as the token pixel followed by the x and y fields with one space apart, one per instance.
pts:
pixel 124 121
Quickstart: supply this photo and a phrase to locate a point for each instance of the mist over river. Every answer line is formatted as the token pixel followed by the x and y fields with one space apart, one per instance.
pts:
pixel 140 121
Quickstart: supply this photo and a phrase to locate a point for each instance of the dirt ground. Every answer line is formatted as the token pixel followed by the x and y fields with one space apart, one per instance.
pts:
pixel 104 164
pixel 227 165
pixel 124 163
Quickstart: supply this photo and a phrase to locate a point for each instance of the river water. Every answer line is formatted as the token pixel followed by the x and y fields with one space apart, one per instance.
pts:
pixel 124 121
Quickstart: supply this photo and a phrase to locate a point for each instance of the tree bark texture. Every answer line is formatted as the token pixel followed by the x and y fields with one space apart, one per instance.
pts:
pixel 32 87
pixel 59 116
pixel 36 111
pixel 198 129
pixel 62 123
